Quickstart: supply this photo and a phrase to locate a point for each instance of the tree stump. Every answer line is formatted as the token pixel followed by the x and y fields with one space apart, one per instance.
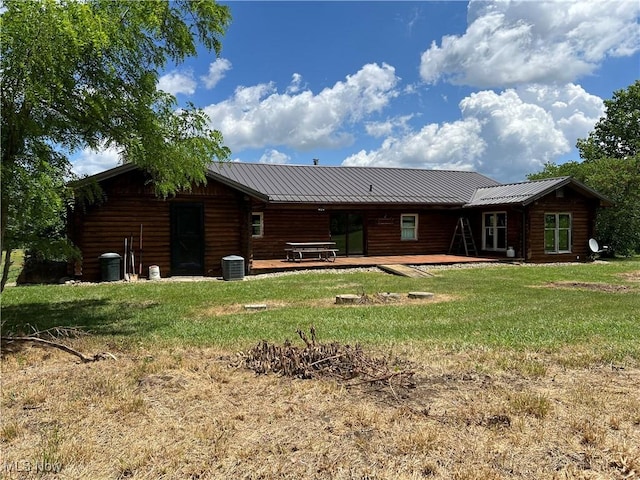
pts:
pixel 389 297
pixel 256 306
pixel 420 295
pixel 347 299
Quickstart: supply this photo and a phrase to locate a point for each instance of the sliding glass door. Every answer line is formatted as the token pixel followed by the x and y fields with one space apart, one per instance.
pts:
pixel 347 230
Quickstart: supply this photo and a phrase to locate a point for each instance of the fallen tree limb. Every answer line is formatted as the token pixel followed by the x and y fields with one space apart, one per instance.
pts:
pixel 59 346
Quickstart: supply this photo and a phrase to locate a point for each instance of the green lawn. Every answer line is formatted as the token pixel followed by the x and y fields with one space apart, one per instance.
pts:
pixel 17 261
pixel 492 308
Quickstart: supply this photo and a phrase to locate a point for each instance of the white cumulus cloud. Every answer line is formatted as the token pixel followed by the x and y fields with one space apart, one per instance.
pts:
pixel 381 129
pixel 573 110
pixel 450 146
pixel 504 135
pixel 508 43
pixel 520 136
pixel 274 157
pixel 260 116
pixel 177 82
pixel 90 162
pixel 217 71
pixel 296 84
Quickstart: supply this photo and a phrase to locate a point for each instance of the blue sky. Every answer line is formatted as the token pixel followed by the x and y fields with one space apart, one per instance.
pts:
pixel 494 87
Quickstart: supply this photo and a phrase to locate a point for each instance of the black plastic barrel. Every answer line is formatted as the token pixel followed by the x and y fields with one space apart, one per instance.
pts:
pixel 110 267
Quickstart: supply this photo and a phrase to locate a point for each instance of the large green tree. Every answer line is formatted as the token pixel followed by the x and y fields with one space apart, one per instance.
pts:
pixel 611 165
pixel 78 74
pixel 617 134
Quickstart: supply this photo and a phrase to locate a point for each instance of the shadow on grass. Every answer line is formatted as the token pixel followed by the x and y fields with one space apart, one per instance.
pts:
pixel 98 317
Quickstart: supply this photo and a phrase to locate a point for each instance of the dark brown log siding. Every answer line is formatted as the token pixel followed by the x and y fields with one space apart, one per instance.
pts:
pixel 582 212
pixel 382 230
pixel 282 225
pixel 435 230
pixel 129 203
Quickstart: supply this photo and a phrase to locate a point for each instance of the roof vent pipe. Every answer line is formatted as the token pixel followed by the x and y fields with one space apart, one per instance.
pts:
pixel 316 161
pixel 371 188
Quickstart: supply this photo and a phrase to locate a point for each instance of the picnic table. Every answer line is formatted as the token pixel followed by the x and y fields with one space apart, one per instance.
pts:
pixel 321 250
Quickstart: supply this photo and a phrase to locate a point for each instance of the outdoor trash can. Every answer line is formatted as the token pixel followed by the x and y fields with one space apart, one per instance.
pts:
pixel 110 267
pixel 233 267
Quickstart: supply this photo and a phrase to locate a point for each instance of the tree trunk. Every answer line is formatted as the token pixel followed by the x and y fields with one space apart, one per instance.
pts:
pixel 5 270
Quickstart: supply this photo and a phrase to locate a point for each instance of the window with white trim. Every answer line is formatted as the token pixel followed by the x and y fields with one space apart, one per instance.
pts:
pixel 409 226
pixel 494 231
pixel 557 233
pixel 257 224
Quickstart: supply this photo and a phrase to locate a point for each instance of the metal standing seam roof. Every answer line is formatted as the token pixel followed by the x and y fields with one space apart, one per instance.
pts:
pixel 525 193
pixel 372 185
pixel 364 185
pixel 516 193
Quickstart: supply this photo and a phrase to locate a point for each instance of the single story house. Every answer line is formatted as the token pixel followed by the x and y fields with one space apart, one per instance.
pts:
pixel 253 210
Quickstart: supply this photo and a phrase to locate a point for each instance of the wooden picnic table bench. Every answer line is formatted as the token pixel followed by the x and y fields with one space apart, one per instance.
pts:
pixel 296 251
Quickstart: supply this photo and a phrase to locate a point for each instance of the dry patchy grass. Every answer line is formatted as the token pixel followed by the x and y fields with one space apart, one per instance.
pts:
pixel 186 414
pixel 380 299
pixel 599 287
pixel 631 276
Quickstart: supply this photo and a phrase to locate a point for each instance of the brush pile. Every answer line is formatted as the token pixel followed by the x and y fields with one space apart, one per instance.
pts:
pixel 345 363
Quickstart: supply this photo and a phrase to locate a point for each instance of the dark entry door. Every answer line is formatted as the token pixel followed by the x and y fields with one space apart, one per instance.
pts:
pixel 187 239
pixel 347 230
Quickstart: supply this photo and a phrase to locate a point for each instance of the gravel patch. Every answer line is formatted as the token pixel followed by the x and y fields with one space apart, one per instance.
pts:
pixel 464 266
pixel 332 271
pixel 329 271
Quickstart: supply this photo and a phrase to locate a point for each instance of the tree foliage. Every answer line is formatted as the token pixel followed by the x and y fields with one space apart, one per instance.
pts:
pixel 611 166
pixel 617 134
pixel 78 74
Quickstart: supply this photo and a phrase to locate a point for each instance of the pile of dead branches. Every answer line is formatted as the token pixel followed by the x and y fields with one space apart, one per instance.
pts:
pixel 346 363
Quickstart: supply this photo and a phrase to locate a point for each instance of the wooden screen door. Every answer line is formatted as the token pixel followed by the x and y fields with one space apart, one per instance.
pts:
pixel 187 239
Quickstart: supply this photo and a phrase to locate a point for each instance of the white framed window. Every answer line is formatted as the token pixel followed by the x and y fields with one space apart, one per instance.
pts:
pixel 409 226
pixel 494 231
pixel 557 233
pixel 257 224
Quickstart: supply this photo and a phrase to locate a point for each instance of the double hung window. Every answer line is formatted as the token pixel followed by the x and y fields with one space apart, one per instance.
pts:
pixel 257 224
pixel 409 226
pixel 557 233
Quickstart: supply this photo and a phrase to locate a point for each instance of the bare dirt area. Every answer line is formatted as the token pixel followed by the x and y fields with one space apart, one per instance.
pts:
pixel 599 287
pixel 631 276
pixel 181 414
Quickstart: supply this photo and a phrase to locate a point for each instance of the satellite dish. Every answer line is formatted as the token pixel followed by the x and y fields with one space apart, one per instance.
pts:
pixel 593 245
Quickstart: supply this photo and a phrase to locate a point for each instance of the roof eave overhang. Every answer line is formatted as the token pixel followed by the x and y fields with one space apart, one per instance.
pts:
pixel 102 176
pixel 492 205
pixel 585 190
pixel 564 182
pixel 366 204
pixel 129 167
pixel 604 201
pixel 237 186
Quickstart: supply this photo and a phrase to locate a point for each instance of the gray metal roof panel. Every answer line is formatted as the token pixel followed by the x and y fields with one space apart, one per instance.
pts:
pixel 325 184
pixel 516 193
pixel 322 184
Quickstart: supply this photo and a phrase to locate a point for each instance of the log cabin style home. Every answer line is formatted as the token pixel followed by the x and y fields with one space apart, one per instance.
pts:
pixel 254 210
